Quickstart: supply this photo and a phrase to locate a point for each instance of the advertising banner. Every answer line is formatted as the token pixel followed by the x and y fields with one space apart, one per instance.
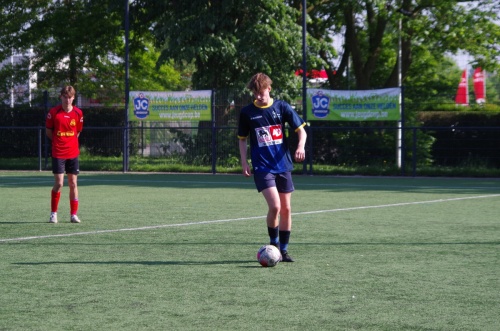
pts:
pixel 170 106
pixel 355 105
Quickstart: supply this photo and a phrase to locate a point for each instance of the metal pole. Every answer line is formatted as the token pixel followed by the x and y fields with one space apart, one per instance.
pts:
pixel 40 149
pixel 127 88
pixel 46 139
pixel 304 73
pixel 399 155
pixel 12 80
pixel 414 152
pixel 304 59
pixel 214 133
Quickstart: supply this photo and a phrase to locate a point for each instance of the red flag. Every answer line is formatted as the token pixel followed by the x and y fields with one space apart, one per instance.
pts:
pixel 462 97
pixel 479 85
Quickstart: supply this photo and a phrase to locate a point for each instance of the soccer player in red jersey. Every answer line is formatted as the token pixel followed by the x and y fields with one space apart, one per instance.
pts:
pixel 263 122
pixel 63 126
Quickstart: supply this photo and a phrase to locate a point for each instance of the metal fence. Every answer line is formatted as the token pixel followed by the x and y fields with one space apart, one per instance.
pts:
pixel 215 149
pixel 213 146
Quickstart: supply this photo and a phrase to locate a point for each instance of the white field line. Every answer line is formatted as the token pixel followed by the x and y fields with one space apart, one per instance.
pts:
pixel 247 218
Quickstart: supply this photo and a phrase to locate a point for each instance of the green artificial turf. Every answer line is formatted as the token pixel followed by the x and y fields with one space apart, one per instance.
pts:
pixel 177 252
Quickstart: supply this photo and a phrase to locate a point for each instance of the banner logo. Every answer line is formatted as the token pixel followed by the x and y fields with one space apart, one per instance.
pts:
pixel 320 105
pixel 141 106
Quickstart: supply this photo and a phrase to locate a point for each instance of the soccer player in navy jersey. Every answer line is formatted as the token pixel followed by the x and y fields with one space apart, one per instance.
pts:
pixel 263 121
pixel 63 126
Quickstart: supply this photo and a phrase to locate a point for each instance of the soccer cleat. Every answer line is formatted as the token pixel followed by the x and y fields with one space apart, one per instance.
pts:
pixel 285 257
pixel 75 219
pixel 53 218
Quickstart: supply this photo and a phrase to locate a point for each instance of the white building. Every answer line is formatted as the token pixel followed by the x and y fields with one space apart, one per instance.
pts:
pixel 19 93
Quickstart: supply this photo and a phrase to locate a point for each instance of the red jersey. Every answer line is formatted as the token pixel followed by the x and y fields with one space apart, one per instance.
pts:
pixel 65 129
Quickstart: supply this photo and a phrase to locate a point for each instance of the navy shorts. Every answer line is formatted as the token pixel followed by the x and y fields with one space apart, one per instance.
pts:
pixel 70 166
pixel 282 181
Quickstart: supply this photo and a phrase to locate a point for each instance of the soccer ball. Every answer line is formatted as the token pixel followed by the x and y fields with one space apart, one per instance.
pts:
pixel 268 256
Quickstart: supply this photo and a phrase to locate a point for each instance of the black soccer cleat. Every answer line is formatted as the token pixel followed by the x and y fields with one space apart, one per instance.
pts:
pixel 285 257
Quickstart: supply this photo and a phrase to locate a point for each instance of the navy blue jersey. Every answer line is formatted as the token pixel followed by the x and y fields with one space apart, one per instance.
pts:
pixel 268 141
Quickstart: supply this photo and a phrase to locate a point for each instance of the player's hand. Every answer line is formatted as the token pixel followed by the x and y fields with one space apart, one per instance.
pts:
pixel 246 170
pixel 300 155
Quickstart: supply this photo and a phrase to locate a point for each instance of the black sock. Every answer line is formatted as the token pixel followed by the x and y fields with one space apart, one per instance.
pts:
pixel 273 235
pixel 284 239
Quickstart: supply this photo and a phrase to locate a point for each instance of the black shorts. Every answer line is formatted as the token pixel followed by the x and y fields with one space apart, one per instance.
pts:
pixel 70 166
pixel 282 181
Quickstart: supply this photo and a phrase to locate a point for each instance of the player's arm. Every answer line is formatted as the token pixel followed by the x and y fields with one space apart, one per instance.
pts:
pixel 300 153
pixel 48 132
pixel 49 124
pixel 79 126
pixel 243 156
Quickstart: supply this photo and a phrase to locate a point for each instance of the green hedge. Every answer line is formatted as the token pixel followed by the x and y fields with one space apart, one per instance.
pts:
pixel 470 136
pixel 24 142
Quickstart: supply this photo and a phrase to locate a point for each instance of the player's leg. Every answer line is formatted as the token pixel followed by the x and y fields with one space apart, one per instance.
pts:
pixel 285 223
pixel 285 188
pixel 73 186
pixel 55 193
pixel 274 205
pixel 72 170
pixel 265 183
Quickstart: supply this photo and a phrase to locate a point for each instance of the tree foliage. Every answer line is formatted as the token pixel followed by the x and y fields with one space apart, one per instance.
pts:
pixel 81 42
pixel 370 29
pixel 214 44
pixel 67 37
pixel 229 40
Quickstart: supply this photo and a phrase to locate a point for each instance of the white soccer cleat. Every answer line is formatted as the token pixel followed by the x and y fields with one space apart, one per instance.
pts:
pixel 75 219
pixel 53 218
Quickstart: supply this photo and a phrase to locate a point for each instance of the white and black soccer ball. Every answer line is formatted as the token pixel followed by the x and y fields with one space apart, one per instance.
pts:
pixel 268 256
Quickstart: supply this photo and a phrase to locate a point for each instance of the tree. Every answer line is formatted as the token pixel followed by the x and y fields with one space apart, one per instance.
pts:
pixel 230 40
pixel 370 30
pixel 81 42
pixel 13 16
pixel 66 40
pixel 226 41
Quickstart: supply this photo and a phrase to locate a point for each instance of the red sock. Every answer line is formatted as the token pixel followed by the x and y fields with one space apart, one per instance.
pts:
pixel 73 206
pixel 54 201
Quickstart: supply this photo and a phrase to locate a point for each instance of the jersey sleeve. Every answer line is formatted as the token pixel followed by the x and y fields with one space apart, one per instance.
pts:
pixel 243 126
pixel 49 120
pixel 79 126
pixel 292 118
